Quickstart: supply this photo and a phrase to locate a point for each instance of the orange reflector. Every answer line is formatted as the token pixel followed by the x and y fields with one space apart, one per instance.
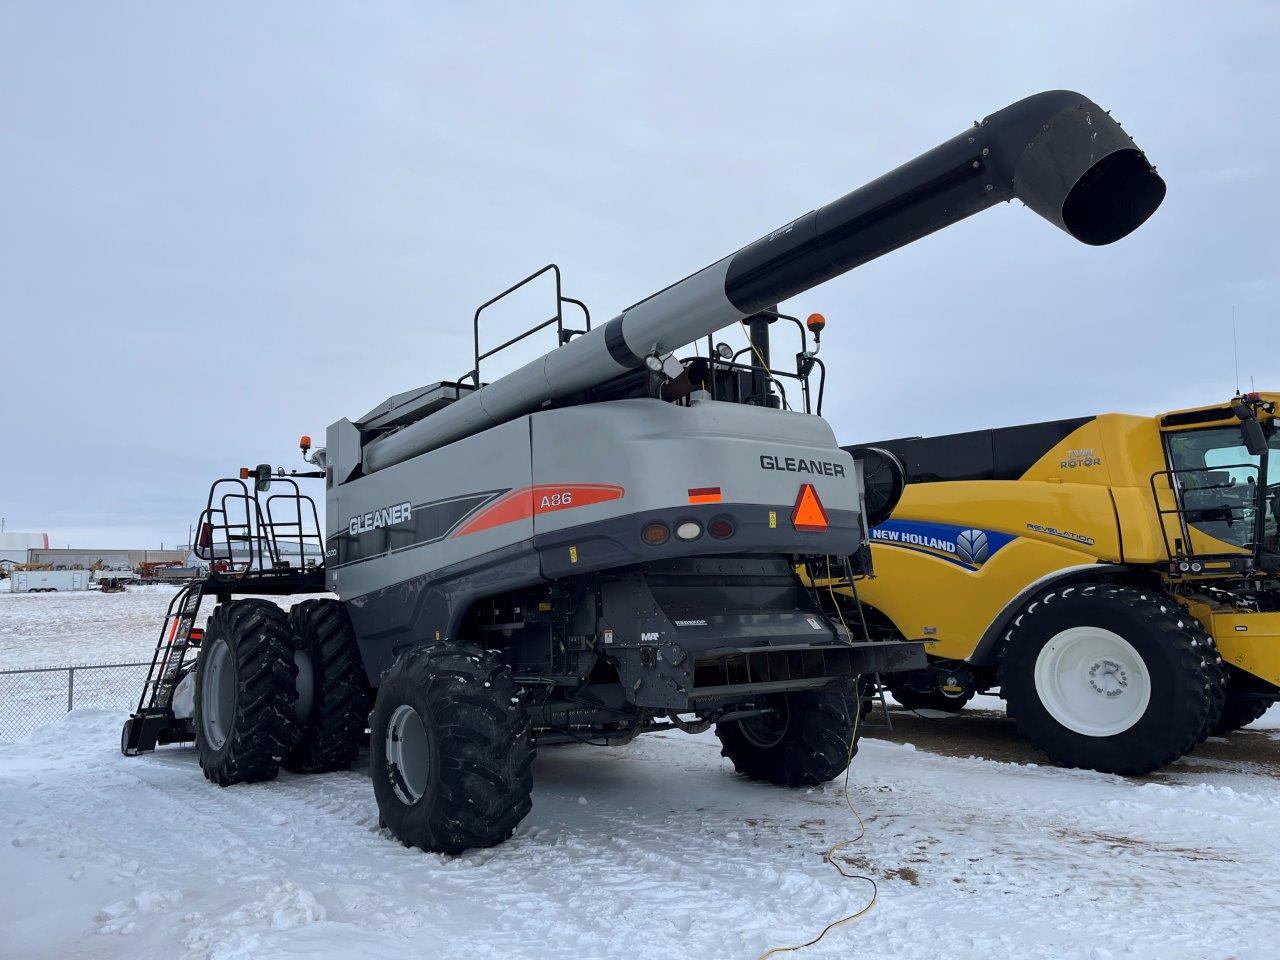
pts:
pixel 244 473
pixel 808 514
pixel 704 494
pixel 655 534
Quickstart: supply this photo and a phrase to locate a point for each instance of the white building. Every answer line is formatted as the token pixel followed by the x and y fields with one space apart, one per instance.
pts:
pixel 14 546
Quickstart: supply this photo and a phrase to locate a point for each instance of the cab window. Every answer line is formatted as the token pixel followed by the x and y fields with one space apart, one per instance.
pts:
pixel 1217 482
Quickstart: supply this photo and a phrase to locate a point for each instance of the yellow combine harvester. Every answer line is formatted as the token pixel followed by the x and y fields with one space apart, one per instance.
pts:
pixel 1091 569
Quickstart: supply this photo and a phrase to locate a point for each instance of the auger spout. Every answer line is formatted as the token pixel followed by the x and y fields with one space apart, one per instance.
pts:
pixel 1058 152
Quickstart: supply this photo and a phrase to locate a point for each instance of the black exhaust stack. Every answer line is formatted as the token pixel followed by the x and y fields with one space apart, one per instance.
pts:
pixel 1058 152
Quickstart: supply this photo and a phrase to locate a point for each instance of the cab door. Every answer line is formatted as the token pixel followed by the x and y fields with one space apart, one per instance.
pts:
pixel 1216 480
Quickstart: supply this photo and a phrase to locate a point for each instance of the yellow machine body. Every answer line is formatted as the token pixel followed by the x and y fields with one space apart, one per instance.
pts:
pixel 958 559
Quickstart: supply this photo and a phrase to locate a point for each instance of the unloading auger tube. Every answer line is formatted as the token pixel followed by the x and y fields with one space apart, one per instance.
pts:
pixel 1058 152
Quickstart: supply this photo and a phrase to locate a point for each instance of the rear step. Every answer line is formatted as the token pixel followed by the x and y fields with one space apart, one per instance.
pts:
pixel 153 722
pixel 733 671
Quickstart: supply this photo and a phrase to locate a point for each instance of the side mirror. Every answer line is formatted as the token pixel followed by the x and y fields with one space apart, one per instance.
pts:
pixel 1254 439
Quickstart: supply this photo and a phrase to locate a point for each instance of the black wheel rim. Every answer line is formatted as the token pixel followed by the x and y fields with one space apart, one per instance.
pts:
pixel 767 729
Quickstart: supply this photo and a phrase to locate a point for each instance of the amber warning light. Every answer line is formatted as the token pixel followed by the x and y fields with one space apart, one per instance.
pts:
pixel 305 443
pixel 809 515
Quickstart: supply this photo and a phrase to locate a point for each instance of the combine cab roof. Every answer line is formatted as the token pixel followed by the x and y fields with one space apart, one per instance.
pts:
pixel 1214 413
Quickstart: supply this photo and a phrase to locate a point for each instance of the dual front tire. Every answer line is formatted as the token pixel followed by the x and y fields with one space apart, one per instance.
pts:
pixel 277 690
pixel 246 688
pixel 451 748
pixel 334 717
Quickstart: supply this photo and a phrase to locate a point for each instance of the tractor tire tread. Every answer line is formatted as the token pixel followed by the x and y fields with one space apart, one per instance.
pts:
pixel 264 726
pixel 1183 640
pixel 814 749
pixel 485 749
pixel 333 736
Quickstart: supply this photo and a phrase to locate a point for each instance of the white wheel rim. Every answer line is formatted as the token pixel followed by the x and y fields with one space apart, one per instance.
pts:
pixel 1092 681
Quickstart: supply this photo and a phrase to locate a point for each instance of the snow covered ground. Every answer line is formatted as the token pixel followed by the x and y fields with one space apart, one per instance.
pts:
pixel 56 629
pixel 652 850
pixel 40 630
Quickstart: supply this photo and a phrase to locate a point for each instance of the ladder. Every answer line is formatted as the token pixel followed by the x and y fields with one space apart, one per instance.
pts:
pixel 153 720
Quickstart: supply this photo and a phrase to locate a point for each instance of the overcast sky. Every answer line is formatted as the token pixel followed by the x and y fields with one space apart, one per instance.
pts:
pixel 224 225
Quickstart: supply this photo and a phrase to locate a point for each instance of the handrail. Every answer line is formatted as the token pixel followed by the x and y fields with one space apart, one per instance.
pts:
pixel 562 335
pixel 1179 510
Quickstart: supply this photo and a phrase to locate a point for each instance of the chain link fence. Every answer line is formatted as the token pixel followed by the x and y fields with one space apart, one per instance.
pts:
pixel 30 699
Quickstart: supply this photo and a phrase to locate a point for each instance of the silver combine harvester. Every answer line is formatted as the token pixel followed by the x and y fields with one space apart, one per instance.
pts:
pixel 602 543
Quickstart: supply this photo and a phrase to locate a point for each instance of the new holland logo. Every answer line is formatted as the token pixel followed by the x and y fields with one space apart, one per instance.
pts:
pixel 968 547
pixel 972 547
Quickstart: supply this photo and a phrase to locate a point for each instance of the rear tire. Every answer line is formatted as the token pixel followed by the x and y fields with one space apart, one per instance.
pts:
pixel 1239 713
pixel 1110 678
pixel 1238 710
pixel 451 749
pixel 936 700
pixel 246 685
pixel 804 742
pixel 1219 681
pixel 333 730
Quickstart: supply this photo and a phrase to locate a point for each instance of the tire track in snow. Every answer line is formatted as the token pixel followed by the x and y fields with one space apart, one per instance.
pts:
pixel 658 851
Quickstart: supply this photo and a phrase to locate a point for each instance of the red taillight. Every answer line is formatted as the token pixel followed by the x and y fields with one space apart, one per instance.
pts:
pixel 196 634
pixel 721 528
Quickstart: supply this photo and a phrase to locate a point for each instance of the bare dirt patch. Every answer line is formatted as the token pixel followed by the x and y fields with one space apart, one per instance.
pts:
pixel 991 735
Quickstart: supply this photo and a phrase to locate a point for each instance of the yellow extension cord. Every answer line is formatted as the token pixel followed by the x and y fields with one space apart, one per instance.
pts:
pixel 759 359
pixel 829 856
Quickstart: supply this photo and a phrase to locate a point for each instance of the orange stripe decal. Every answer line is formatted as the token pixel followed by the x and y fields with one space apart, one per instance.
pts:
pixel 544 498
pixel 704 495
